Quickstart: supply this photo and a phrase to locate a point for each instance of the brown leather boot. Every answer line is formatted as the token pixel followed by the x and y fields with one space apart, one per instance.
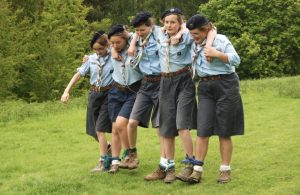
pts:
pixel 133 161
pixel 124 163
pixel 185 173
pixel 98 168
pixel 156 175
pixel 114 168
pixel 195 177
pixel 170 176
pixel 224 177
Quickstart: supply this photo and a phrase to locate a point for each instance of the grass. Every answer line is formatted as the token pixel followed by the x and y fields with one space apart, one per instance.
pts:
pixel 44 149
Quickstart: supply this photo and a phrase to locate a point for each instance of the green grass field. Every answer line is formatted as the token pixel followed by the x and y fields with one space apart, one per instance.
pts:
pixel 44 149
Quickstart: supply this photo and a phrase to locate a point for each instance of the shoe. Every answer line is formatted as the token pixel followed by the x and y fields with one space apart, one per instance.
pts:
pixel 133 161
pixel 195 177
pixel 224 177
pixel 170 176
pixel 156 175
pixel 185 173
pixel 114 168
pixel 125 160
pixel 124 163
pixel 99 168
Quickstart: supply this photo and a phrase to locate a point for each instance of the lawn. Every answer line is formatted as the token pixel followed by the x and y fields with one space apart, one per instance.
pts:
pixel 44 149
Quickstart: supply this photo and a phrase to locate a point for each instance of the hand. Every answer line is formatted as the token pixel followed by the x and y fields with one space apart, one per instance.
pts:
pixel 210 52
pixel 65 97
pixel 131 51
pixel 85 58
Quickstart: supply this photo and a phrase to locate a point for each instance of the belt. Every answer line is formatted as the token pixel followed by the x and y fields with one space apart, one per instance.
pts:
pixel 211 78
pixel 98 89
pixel 152 78
pixel 178 72
pixel 128 88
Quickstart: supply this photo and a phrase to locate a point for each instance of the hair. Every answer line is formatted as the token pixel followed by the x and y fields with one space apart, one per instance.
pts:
pixel 123 35
pixel 99 37
pixel 103 40
pixel 148 22
pixel 180 18
pixel 207 27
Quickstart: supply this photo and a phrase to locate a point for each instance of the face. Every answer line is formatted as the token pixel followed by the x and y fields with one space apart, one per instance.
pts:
pixel 99 49
pixel 198 35
pixel 171 24
pixel 118 43
pixel 143 30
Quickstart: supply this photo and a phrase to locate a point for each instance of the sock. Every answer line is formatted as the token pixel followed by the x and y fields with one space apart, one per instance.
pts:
pixel 115 160
pixel 163 160
pixel 168 165
pixel 225 168
pixel 198 168
pixel 102 158
pixel 132 150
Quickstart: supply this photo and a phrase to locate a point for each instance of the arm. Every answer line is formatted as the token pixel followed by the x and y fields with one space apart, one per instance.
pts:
pixel 209 40
pixel 211 52
pixel 132 48
pixel 176 39
pixel 65 97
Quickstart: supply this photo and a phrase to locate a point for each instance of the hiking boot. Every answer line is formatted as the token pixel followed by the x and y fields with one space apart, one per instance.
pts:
pixel 156 175
pixel 224 177
pixel 195 177
pixel 185 173
pixel 114 168
pixel 133 161
pixel 124 163
pixel 170 176
pixel 99 168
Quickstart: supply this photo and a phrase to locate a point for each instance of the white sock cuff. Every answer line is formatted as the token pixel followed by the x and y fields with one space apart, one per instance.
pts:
pixel 198 168
pixel 115 162
pixel 225 168
pixel 163 160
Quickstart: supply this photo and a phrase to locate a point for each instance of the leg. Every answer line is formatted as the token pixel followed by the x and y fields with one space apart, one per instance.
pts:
pixel 102 143
pixel 225 150
pixel 187 142
pixel 121 124
pixel 226 153
pixel 132 132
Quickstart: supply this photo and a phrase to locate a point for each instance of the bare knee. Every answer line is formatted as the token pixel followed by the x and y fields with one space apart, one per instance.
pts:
pixel 132 124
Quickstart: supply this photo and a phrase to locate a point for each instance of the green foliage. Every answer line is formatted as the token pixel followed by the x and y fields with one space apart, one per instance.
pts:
pixel 264 33
pixel 120 11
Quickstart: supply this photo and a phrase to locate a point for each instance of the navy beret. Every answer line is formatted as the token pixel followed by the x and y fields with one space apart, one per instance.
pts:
pixel 196 21
pixel 140 18
pixel 115 30
pixel 171 11
pixel 96 36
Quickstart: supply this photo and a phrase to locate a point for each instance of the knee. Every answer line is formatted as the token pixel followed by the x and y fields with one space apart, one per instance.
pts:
pixel 132 124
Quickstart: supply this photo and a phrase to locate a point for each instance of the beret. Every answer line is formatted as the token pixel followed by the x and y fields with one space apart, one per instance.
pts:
pixel 196 21
pixel 140 18
pixel 171 11
pixel 115 30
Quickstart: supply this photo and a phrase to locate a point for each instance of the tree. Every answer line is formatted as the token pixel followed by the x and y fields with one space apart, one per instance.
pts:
pixel 264 33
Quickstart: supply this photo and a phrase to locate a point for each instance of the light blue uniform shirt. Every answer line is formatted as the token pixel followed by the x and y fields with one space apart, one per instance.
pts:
pixel 132 75
pixel 150 64
pixel 91 67
pixel 205 68
pixel 180 54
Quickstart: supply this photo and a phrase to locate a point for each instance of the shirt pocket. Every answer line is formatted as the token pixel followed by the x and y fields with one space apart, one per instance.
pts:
pixel 178 51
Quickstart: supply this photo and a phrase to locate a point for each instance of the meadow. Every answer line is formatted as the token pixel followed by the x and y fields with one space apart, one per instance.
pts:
pixel 44 149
